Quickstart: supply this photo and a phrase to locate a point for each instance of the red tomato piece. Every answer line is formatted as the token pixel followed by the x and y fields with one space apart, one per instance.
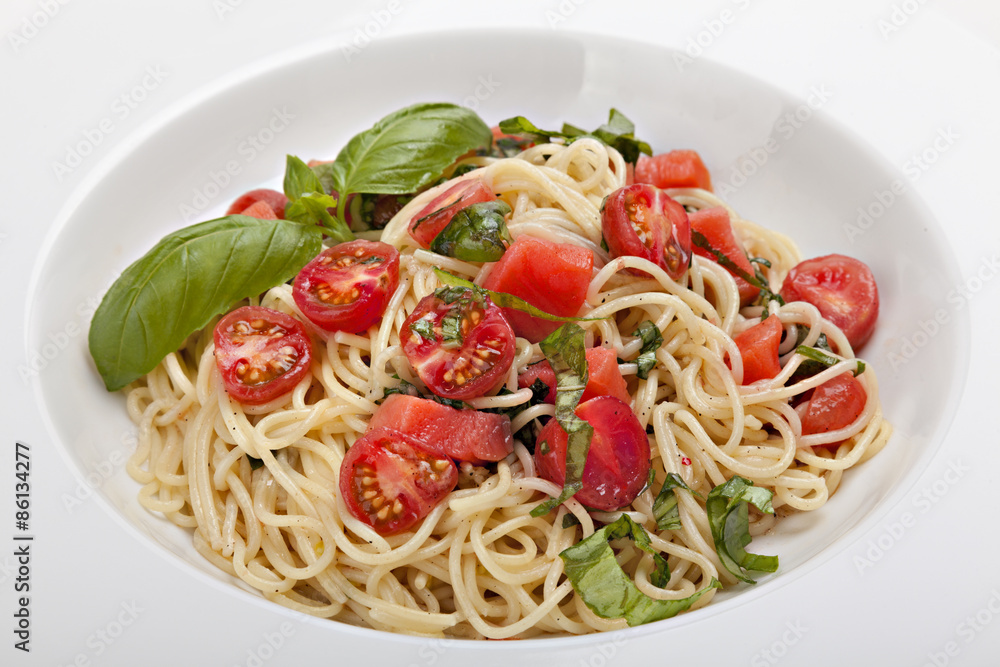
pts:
pixel 465 435
pixel 434 217
pixel 603 377
pixel 617 465
pixel 347 287
pixel 759 349
pixel 260 209
pixel 389 481
pixel 715 225
pixel 261 353
pixel 459 343
pixel 553 277
pixel 276 200
pixel 642 221
pixel 676 169
pixel 842 288
pixel 834 404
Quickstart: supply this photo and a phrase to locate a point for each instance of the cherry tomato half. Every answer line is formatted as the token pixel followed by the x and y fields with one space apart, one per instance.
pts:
pixel 389 481
pixel 759 349
pixel 617 465
pixel 434 217
pixel 261 353
pixel 642 221
pixel 459 343
pixel 276 200
pixel 833 405
pixel 347 287
pixel 842 288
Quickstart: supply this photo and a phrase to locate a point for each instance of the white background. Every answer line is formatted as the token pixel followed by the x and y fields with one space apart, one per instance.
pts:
pixel 902 72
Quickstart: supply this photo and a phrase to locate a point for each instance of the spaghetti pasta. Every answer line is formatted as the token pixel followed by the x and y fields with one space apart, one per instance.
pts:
pixel 258 484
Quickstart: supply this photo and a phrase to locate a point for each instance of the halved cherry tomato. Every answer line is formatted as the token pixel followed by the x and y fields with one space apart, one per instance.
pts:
pixel 617 465
pixel 434 217
pixel 347 287
pixel 759 349
pixel 261 353
pixel 842 288
pixel 642 221
pixel 834 404
pixel 603 377
pixel 553 277
pixel 389 481
pixel 459 343
pixel 715 225
pixel 676 169
pixel 260 209
pixel 276 200
pixel 465 435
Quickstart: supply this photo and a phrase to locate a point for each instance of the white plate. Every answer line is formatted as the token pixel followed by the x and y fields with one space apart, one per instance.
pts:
pixel 200 159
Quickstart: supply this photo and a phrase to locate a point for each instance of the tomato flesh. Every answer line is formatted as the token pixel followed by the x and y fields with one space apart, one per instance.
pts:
pixel 717 228
pixel 553 277
pixel 261 210
pixel 464 435
pixel 759 349
pixel 842 288
pixel 389 481
pixel 834 404
pixel 676 169
pixel 459 343
pixel 434 217
pixel 603 377
pixel 347 287
pixel 261 353
pixel 276 200
pixel 640 220
pixel 617 466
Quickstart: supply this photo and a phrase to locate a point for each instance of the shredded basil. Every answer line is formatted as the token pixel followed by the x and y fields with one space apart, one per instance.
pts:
pixel 652 339
pixel 595 574
pixel 618 132
pixel 564 349
pixel 728 517
pixel 255 463
pixel 818 357
pixel 665 509
pixel 476 233
pixel 757 280
pixel 423 328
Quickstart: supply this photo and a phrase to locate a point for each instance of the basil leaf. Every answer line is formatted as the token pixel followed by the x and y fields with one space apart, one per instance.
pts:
pixel 727 507
pixel 618 132
pixel 665 509
pixel 505 300
pixel 652 339
pixel 300 179
pixel 309 203
pixel 476 233
pixel 188 278
pixel 406 150
pixel 598 578
pixel 757 280
pixel 564 348
pixel 826 360
pixel 423 328
pixel 255 463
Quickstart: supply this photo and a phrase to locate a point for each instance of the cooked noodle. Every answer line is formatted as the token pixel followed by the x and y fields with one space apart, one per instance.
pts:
pixel 479 565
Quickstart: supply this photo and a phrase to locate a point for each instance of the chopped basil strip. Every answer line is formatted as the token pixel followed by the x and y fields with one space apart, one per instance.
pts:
pixel 826 360
pixel 423 328
pixel 595 574
pixel 728 517
pixel 564 348
pixel 476 233
pixel 757 280
pixel 570 520
pixel 451 331
pixel 505 300
pixel 255 463
pixel 652 339
pixel 189 277
pixel 618 132
pixel 665 509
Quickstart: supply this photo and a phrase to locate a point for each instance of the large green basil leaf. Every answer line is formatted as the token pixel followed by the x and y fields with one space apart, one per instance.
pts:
pixel 189 277
pixel 595 574
pixel 407 150
pixel 727 507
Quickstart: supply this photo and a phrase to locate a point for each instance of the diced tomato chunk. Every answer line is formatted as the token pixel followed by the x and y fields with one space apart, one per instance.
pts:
pixel 551 276
pixel 434 217
pixel 717 228
pixel 465 435
pixel 276 200
pixel 759 349
pixel 260 209
pixel 676 169
pixel 833 405
pixel 603 377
